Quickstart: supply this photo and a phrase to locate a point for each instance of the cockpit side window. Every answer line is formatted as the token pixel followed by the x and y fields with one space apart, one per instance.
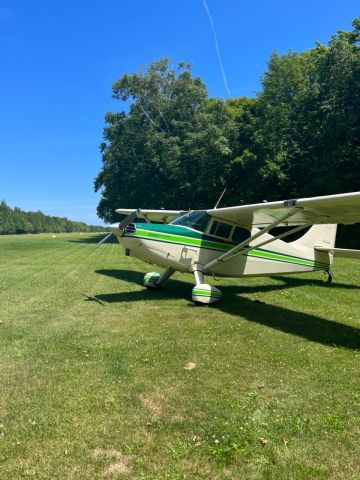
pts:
pixel 197 220
pixel 220 229
pixel 240 235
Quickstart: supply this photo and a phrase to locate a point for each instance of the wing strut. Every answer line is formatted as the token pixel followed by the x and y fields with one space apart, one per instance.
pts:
pixel 278 237
pixel 237 250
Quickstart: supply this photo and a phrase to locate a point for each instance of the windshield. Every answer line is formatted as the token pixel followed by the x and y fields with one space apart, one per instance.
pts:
pixel 197 220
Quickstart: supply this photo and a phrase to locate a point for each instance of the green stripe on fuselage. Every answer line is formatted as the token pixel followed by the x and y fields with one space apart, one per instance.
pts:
pixel 183 238
pixel 188 237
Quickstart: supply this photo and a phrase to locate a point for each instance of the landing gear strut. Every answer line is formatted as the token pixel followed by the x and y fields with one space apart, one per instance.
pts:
pixel 330 276
pixel 203 293
pixel 155 281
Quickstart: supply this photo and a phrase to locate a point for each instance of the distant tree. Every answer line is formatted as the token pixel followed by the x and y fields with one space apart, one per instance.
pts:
pixel 17 221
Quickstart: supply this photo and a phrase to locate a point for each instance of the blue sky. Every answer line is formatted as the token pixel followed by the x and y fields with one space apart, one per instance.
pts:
pixel 59 59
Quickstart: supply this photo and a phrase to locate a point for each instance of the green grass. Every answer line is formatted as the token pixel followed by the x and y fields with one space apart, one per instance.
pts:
pixel 93 381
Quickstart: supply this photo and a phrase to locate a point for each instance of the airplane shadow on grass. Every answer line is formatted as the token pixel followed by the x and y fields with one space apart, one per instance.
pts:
pixel 312 327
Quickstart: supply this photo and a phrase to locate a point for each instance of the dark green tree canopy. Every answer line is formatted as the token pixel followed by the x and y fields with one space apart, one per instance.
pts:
pixel 170 148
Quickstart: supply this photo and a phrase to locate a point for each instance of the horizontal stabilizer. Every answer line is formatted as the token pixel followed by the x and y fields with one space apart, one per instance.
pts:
pixel 341 252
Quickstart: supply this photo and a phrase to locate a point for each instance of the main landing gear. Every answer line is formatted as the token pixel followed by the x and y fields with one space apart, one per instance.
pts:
pixel 330 276
pixel 155 281
pixel 202 293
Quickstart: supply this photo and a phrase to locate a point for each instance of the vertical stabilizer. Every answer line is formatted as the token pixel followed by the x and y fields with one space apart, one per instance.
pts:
pixel 319 236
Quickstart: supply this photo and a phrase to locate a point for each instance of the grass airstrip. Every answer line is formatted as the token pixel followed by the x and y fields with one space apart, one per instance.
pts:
pixel 100 378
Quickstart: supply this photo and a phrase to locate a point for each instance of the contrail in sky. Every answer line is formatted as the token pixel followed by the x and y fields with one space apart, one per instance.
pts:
pixel 216 46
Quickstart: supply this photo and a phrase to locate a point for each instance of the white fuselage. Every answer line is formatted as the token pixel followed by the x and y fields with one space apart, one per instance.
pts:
pixel 181 248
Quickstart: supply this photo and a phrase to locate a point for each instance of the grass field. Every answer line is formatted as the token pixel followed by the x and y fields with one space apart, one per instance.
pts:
pixel 101 379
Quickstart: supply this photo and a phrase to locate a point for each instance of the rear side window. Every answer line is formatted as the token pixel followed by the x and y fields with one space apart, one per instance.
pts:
pixel 292 237
pixel 220 229
pixel 240 235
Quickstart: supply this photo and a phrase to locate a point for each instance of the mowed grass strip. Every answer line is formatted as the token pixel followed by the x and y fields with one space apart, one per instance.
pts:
pixel 100 378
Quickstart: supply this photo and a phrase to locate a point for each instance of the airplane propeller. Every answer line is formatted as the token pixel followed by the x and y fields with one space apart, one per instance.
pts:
pixel 119 228
pixel 104 239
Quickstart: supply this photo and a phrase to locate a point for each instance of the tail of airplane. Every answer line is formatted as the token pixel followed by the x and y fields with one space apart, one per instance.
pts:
pixel 319 236
pixel 322 239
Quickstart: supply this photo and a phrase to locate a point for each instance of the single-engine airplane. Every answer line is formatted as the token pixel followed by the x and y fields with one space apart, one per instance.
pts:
pixel 238 241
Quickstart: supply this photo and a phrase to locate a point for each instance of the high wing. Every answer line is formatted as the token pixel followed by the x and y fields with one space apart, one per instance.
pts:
pixel 164 216
pixel 341 208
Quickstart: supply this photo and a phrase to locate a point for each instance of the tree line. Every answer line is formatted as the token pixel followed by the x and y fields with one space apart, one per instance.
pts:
pixel 176 147
pixel 13 221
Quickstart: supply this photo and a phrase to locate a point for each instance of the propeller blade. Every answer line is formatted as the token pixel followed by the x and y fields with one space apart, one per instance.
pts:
pixel 119 228
pixel 129 219
pixel 104 240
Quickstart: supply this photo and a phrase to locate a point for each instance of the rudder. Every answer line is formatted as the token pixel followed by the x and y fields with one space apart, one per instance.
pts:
pixel 319 236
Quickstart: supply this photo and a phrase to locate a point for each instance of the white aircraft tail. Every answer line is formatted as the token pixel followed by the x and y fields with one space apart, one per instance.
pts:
pixel 322 239
pixel 319 236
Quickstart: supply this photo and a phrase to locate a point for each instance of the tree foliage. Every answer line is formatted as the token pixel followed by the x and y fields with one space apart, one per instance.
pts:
pixel 308 120
pixel 162 150
pixel 17 221
pixel 178 148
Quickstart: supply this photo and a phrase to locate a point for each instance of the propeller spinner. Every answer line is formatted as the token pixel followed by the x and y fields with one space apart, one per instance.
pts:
pixel 119 228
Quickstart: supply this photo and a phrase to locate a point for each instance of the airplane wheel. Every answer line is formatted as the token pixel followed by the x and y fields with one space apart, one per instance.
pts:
pixel 205 294
pixel 150 280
